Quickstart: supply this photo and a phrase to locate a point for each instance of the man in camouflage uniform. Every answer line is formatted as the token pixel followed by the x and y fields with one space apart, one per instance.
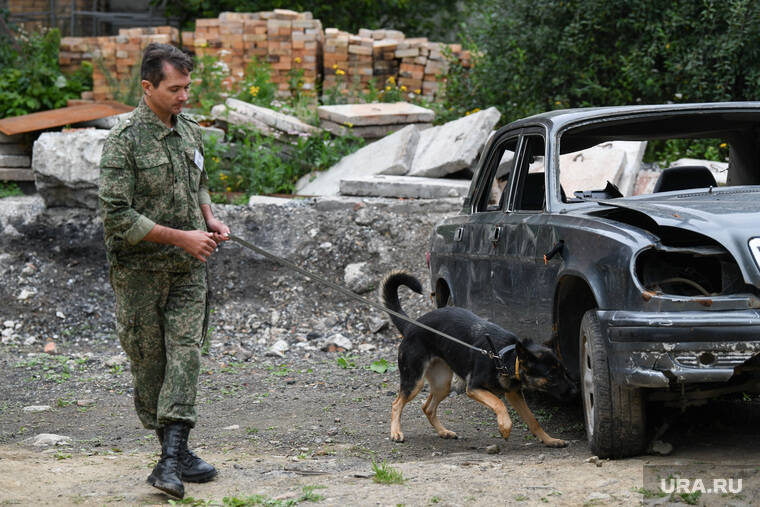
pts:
pixel 159 232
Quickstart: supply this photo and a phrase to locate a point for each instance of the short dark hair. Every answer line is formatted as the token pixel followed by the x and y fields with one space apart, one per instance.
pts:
pixel 154 56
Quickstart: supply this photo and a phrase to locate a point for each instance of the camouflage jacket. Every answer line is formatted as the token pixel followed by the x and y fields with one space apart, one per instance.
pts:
pixel 150 174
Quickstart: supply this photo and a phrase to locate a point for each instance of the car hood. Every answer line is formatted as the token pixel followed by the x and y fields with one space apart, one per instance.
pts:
pixel 730 216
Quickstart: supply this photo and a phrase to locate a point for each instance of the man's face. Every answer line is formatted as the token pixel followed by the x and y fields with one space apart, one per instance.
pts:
pixel 171 93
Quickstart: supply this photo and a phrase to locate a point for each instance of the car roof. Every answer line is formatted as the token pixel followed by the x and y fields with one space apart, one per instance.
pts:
pixel 560 118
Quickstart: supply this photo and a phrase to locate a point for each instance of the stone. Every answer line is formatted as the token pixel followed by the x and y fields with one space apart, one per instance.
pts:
pixel 15 161
pixel 221 112
pixel 265 199
pixel 393 154
pixel 37 408
pixel 278 349
pixel 597 498
pixel 66 167
pixel 25 294
pixel 361 115
pixel 273 119
pixel 493 449
pixel 48 439
pixel 340 341
pixel 453 146
pixel 358 278
pixel 106 123
pixel 212 133
pixel 116 361
pixel 370 132
pixel 404 186
pixel 661 448
pixel 50 348
pixel 634 154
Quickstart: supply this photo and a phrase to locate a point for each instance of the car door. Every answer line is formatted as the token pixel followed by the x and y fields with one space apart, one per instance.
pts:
pixel 521 285
pixel 483 228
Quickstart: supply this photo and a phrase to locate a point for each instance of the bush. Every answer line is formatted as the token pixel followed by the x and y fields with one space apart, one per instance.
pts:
pixel 537 55
pixel 30 77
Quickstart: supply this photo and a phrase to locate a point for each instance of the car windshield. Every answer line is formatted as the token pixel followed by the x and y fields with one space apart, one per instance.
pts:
pixel 614 160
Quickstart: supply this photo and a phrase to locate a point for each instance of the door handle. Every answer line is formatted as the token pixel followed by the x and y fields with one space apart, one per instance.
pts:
pixel 458 234
pixel 495 234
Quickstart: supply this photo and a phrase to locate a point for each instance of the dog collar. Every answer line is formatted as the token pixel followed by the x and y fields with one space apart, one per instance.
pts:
pixel 513 372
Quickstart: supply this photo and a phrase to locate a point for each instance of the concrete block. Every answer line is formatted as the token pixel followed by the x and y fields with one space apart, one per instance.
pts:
pixel 67 166
pixel 368 132
pixel 103 123
pixel 591 169
pixel 358 115
pixel 391 155
pixel 453 146
pixel 404 186
pixel 634 153
pixel 15 161
pixel 276 120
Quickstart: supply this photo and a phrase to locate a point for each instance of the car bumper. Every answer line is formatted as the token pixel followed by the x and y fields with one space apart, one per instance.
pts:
pixel 656 349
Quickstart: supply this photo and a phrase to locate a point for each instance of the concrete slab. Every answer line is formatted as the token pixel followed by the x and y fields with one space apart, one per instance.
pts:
pixel 360 115
pixel 453 146
pixel 273 119
pixel 368 132
pixel 591 169
pixel 645 181
pixel 15 161
pixel 404 186
pixel 221 113
pixel 634 153
pixel 16 174
pixel 390 155
pixel 265 199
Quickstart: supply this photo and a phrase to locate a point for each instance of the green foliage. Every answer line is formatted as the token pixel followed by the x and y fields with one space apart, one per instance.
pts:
pixel 127 91
pixel 9 189
pixel 413 18
pixel 206 90
pixel 256 86
pixel 381 366
pixel 386 474
pixel 554 54
pixel 664 152
pixel 346 362
pixel 30 77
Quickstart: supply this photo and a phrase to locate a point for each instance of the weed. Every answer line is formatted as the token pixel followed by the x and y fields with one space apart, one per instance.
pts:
pixel 60 402
pixel 434 499
pixel 521 498
pixel 281 371
pixel 648 493
pixel 691 498
pixel 386 474
pixel 9 189
pixel 251 430
pixel 116 369
pixel 381 366
pixel 346 362
pixel 61 455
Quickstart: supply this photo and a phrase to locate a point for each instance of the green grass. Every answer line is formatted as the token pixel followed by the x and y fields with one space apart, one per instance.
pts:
pixel 386 474
pixel 9 189
pixel 307 495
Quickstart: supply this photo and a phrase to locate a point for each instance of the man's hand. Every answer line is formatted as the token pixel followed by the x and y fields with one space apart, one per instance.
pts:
pixel 220 232
pixel 199 244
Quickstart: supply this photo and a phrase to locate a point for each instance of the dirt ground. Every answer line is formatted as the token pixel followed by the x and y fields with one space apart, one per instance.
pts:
pixel 286 429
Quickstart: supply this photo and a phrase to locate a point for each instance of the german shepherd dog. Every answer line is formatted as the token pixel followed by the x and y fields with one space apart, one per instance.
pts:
pixel 426 355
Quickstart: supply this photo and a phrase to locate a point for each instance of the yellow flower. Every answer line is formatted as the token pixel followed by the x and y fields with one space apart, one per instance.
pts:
pixel 418 91
pixel 349 125
pixel 340 72
pixel 475 110
pixel 254 90
pixel 667 46
pixel 222 176
pixel 723 145
pixel 388 88
pixel 467 113
pixel 229 189
pixel 557 103
pixel 297 59
pixel 403 88
pixel 335 65
pixel 391 80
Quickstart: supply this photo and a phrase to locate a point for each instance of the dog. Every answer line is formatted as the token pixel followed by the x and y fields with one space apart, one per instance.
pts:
pixel 425 355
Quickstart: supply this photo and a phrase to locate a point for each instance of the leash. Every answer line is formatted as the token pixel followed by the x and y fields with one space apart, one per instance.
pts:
pixel 357 297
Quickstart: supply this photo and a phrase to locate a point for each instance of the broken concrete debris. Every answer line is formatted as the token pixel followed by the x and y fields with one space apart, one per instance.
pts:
pixel 372 121
pixel 390 155
pixel 15 158
pixel 267 121
pixel 410 187
pixel 66 167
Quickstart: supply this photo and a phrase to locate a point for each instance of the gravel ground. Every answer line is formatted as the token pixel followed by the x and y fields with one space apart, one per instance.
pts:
pixel 296 384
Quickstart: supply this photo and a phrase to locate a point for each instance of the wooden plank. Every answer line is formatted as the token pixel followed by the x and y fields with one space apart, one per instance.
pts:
pixel 16 174
pixel 60 117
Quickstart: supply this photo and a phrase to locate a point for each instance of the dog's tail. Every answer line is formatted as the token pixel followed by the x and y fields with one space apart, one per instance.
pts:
pixel 390 285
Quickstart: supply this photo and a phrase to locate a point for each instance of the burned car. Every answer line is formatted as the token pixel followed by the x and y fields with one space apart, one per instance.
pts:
pixel 645 281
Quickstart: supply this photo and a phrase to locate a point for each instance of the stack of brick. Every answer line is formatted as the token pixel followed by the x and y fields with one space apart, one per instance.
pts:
pixel 414 55
pixel 335 58
pixel 384 62
pixel 308 40
pixel 436 67
pixel 360 70
pixel 73 51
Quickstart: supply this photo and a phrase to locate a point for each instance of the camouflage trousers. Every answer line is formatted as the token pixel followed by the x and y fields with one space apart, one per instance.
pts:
pixel 161 320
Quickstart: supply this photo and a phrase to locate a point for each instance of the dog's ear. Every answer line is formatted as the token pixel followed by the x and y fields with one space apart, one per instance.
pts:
pixel 527 348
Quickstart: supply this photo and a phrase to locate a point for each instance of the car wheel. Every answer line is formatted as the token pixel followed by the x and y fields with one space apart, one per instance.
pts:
pixel 614 414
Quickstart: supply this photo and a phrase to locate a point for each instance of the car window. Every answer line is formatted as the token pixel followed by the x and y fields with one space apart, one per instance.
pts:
pixel 497 174
pixel 531 191
pixel 621 168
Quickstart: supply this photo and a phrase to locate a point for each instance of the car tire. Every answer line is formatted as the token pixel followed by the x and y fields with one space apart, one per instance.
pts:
pixel 614 414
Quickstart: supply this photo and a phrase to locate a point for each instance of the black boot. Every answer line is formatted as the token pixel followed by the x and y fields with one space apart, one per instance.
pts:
pixel 192 467
pixel 166 474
